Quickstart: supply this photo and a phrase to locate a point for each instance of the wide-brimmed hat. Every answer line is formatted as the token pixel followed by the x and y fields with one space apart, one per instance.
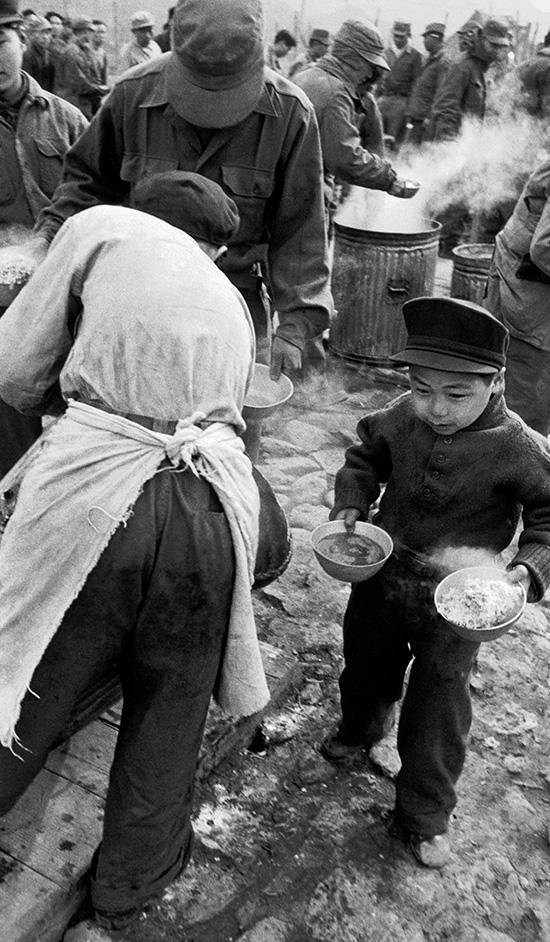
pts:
pixel 453 335
pixel 142 19
pixel 190 202
pixel 9 12
pixel 365 39
pixel 216 70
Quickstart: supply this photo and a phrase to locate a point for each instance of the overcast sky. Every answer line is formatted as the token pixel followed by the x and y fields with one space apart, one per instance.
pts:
pixel 331 13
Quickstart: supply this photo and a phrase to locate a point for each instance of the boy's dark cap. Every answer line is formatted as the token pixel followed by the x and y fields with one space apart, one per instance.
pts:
pixel 215 74
pixel 189 202
pixel 9 12
pixel 453 335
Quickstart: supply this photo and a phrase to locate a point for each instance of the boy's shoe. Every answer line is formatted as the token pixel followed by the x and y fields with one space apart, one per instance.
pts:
pixel 338 746
pixel 335 748
pixel 431 851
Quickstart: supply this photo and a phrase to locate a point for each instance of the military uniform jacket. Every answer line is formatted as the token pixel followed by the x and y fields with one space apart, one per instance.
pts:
pixel 427 86
pixel 522 304
pixel 463 92
pixel 336 102
pixel 32 155
pixel 270 164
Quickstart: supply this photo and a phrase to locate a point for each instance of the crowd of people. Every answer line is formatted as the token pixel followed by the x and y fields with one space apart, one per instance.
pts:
pixel 180 232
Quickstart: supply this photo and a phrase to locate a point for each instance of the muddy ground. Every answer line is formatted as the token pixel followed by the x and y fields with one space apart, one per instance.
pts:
pixel 292 849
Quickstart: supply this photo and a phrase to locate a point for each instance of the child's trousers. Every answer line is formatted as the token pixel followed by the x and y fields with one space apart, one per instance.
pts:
pixel 389 619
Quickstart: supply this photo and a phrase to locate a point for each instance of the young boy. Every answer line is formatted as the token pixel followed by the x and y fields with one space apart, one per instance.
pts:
pixel 459 470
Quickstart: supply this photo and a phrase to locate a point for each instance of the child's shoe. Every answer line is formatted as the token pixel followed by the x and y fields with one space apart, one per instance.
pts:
pixel 340 745
pixel 337 747
pixel 431 851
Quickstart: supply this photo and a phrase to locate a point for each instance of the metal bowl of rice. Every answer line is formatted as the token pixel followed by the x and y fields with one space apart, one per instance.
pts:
pixel 15 271
pixel 479 603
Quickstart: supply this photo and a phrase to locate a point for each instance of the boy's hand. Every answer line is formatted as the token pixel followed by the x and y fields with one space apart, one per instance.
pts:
pixel 519 574
pixel 350 516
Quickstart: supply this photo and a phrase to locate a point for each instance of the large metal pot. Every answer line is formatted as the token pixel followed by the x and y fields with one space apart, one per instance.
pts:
pixel 471 263
pixel 373 274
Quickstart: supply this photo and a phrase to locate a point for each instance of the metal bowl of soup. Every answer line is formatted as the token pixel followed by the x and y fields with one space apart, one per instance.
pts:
pixel 351 556
pixel 265 395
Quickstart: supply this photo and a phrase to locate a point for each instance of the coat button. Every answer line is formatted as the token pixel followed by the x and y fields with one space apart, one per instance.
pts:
pixel 437 474
pixel 447 441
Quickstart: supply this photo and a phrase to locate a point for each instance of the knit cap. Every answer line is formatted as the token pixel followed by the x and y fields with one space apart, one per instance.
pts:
pixel 189 202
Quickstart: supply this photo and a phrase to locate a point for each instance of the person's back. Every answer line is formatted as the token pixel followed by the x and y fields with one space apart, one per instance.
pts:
pixel 157 496
pixel 331 85
pixel 534 76
pixel 150 267
pixel 518 293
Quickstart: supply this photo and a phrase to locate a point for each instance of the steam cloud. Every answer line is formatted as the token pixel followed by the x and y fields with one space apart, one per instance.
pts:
pixel 486 165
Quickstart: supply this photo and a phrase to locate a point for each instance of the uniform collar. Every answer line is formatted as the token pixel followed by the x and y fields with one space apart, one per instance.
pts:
pixel 333 66
pixel 34 93
pixel 157 96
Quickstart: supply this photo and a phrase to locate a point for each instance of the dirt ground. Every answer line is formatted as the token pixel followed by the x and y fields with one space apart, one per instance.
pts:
pixel 292 849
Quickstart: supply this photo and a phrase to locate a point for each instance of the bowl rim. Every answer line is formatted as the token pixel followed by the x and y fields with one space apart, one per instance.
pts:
pixel 330 526
pixel 487 572
pixel 287 388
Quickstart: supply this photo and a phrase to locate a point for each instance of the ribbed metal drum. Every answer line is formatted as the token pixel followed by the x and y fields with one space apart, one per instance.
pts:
pixel 471 265
pixel 373 274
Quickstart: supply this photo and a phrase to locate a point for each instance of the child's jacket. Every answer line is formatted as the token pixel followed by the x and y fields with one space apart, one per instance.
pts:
pixel 464 490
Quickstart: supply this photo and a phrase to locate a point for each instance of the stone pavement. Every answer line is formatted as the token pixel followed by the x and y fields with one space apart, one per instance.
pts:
pixel 292 849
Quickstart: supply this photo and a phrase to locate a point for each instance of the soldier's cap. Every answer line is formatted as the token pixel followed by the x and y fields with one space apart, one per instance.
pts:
pixel 496 32
pixel 9 12
pixel 39 24
pixel 453 335
pixel 401 26
pixel 365 39
pixel 82 23
pixel 471 26
pixel 189 202
pixel 215 74
pixel 142 19
pixel 437 29
pixel 320 36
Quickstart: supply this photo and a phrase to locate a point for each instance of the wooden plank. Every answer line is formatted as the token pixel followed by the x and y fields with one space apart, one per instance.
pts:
pixel 33 908
pixel 47 840
pixel 54 828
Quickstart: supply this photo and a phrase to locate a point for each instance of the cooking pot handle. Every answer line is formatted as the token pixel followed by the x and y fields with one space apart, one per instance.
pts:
pixel 398 291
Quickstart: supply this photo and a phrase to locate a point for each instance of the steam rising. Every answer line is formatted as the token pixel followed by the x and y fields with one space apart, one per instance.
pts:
pixel 486 165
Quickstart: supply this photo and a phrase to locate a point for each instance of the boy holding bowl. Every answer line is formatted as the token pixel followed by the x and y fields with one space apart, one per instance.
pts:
pixel 460 470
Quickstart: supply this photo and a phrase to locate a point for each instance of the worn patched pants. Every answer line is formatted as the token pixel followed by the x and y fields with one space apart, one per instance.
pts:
pixel 157 603
pixel 389 619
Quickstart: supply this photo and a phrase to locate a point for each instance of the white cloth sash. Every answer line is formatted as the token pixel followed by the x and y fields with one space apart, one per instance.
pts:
pixel 79 489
